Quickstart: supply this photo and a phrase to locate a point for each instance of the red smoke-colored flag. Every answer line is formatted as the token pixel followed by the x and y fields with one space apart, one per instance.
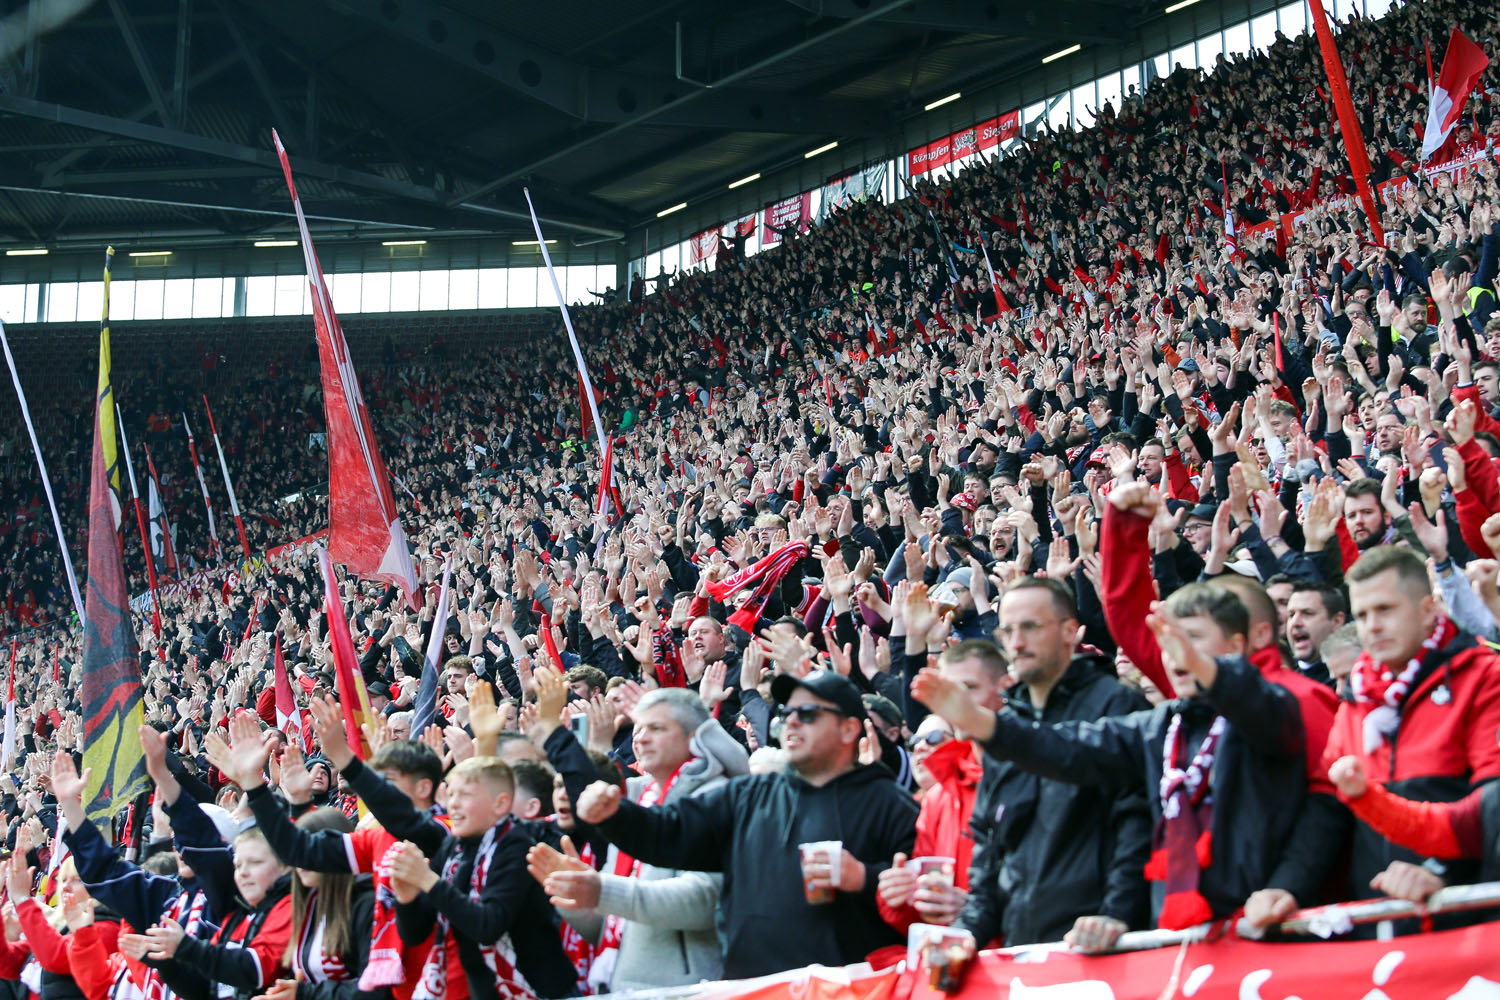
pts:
pixel 1343 105
pixel 364 530
pixel 1463 64
pixel 609 491
pixel 347 677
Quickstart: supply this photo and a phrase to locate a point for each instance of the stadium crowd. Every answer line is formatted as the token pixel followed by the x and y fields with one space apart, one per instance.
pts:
pixel 1160 586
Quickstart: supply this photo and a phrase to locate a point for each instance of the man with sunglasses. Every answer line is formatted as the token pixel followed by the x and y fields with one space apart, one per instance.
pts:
pixel 750 828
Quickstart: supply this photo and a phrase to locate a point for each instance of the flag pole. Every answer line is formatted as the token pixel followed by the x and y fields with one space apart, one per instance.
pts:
pixel 1343 105
pixel 215 549
pixel 140 520
pixel 41 465
pixel 234 505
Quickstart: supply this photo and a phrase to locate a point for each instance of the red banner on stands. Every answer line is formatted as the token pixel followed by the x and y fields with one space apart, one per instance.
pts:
pixel 985 135
pixel 1450 965
pixel 703 245
pixel 797 208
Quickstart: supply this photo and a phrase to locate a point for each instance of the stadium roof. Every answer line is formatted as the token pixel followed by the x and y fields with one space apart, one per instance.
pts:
pixel 153 117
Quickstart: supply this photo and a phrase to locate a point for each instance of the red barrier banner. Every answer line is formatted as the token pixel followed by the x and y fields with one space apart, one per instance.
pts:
pixel 797 208
pixel 1448 965
pixel 950 148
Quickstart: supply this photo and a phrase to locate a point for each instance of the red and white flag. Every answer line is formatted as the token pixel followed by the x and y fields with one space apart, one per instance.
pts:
pixel 161 530
pixel 364 531
pixel 608 501
pixel 8 748
pixel 208 504
pixel 1230 242
pixel 288 716
pixel 1462 66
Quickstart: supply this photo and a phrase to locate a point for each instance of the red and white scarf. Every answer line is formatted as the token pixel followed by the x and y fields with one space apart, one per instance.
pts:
pixel 666 658
pixel 383 968
pixel 1184 840
pixel 768 571
pixel 499 957
pixel 603 969
pixel 331 967
pixel 1375 683
pixel 186 910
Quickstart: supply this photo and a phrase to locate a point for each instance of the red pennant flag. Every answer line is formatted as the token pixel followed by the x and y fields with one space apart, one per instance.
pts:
pixel 288 717
pixel 347 677
pixel 364 530
pixel 1463 64
pixel 1343 104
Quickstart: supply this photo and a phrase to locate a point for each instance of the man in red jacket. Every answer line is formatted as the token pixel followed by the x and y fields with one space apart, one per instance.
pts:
pixel 1424 716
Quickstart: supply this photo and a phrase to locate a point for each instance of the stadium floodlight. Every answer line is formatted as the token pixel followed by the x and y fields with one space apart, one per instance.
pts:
pixel 942 100
pixel 821 149
pixel 150 253
pixel 1179 5
pixel 528 243
pixel 28 252
pixel 744 180
pixel 275 243
pixel 1062 52
pixel 668 211
pixel 403 243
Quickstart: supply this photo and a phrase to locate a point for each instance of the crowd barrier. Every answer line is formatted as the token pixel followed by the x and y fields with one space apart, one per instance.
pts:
pixel 1208 962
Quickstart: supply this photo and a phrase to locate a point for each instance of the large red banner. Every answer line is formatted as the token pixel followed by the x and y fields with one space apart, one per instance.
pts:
pixel 703 245
pixel 797 208
pixel 985 135
pixel 1449 965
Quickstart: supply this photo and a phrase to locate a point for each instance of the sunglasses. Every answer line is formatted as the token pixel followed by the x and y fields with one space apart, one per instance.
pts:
pixel 806 714
pixel 932 739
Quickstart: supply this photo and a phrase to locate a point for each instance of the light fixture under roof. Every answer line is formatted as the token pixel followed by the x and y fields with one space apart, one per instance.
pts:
pixel 527 243
pixel 943 100
pixel 403 243
pixel 150 253
pixel 27 252
pixel 1179 5
pixel 821 149
pixel 1062 52
pixel 275 243
pixel 744 180
pixel 668 211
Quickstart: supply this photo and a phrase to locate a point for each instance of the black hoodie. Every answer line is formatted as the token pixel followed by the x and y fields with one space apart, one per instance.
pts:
pixel 749 829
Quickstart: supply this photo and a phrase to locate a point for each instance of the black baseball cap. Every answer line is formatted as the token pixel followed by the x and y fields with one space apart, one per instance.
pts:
pixel 825 684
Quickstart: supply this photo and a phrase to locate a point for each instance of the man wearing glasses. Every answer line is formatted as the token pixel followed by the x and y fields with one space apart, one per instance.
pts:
pixel 751 827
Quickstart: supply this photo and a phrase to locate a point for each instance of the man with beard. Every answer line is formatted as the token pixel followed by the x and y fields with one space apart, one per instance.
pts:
pixel 1313 613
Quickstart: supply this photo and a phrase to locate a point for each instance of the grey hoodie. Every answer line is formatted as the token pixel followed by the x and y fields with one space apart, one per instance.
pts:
pixel 669 937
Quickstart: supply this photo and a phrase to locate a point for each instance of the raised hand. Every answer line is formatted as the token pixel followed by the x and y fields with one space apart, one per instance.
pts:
pixel 328 720
pixel 296 779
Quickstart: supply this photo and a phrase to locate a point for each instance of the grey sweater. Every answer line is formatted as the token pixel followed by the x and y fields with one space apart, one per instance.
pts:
pixel 669 938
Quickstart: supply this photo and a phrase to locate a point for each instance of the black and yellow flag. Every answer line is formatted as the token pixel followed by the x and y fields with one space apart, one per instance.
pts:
pixel 111 693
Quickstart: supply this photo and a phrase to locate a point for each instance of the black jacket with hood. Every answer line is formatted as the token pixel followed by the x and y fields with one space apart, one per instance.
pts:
pixel 749 829
pixel 1047 851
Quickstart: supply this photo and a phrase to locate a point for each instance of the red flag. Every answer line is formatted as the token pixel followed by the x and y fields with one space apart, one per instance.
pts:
pixel 56 666
pixel 348 679
pixel 609 491
pixel 1343 104
pixel 288 718
pixel 161 531
pixel 1276 337
pixel 1463 64
pixel 364 531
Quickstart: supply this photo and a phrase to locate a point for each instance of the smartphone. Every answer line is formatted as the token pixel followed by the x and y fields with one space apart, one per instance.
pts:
pixel 578 725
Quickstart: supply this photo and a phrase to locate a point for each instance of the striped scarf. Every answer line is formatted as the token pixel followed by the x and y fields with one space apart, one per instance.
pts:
pixel 499 957
pixel 1375 684
pixel 332 966
pixel 768 571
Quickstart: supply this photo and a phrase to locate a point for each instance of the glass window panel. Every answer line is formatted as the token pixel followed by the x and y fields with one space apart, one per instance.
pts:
pixel 13 303
pixel 91 299
pixel 375 292
pixel 226 301
pixel 1111 90
pixel 260 295
pixel 208 296
pixel 405 290
pixel 1237 39
pixel 1181 56
pixel 291 289
pixel 463 289
pixel 62 302
pixel 177 298
pixel 1263 30
pixel 521 288
pixel 345 289
pixel 1293 19
pixel 433 291
pixel 1084 98
pixel 492 288
pixel 1210 47
pixel 1058 116
pixel 1377 8
pixel 33 303
pixel 148 298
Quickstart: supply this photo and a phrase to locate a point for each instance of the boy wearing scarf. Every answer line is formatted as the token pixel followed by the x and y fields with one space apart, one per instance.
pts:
pixel 495 934
pixel 1421 719
pixel 1222 764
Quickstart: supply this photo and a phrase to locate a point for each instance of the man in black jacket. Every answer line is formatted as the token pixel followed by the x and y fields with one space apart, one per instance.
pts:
pixel 750 828
pixel 1054 858
pixel 1230 746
